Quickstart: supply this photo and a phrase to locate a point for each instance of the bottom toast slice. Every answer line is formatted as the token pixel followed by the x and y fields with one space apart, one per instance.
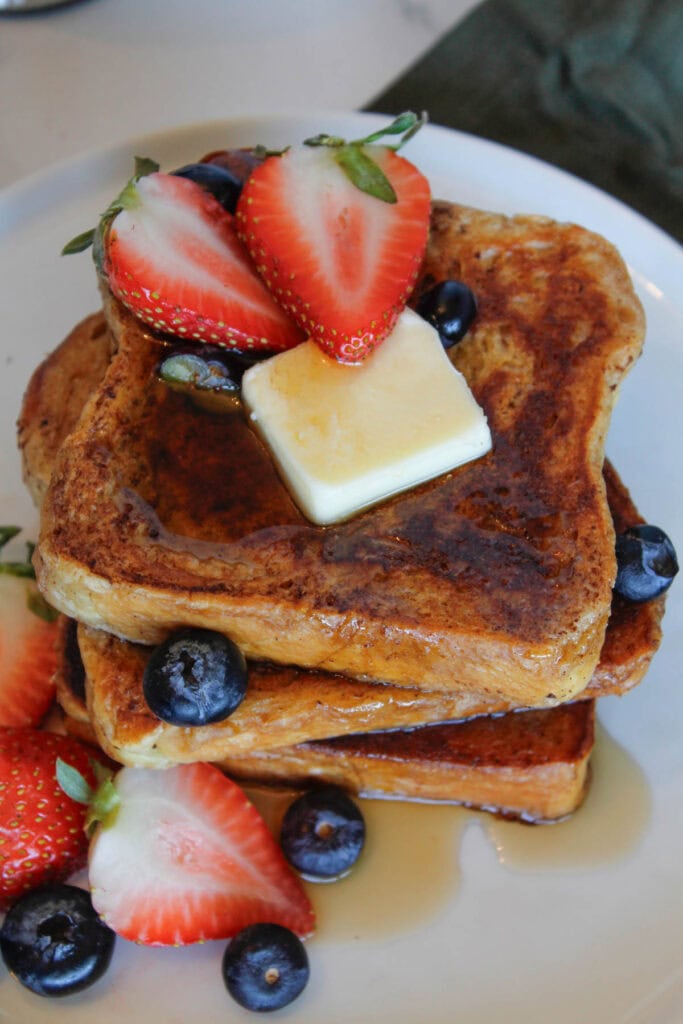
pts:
pixel 532 765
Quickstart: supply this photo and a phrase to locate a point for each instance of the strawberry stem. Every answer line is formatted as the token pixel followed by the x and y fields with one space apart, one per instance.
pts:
pixel 102 802
pixel 364 173
pixel 73 783
pixel 125 200
pixel 80 243
pixel 35 601
pixel 325 140
pixel 263 152
pixel 23 569
pixel 7 533
pixel 406 124
pixel 356 162
pixel 37 604
pixel 103 807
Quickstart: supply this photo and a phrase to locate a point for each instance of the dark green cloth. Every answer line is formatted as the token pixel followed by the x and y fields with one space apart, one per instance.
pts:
pixel 593 86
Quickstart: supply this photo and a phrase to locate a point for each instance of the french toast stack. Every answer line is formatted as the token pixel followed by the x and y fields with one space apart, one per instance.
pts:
pixel 447 644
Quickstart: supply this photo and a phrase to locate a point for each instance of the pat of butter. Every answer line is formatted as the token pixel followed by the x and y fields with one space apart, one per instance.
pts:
pixel 345 437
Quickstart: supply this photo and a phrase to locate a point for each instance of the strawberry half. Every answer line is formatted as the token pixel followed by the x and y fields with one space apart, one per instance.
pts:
pixel 171 255
pixel 182 856
pixel 337 230
pixel 28 636
pixel 42 838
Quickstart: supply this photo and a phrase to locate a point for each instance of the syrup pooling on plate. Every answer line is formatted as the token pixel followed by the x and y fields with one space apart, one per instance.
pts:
pixel 606 829
pixel 419 841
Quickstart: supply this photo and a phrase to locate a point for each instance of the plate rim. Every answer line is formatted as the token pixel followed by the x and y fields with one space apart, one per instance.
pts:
pixel 15 191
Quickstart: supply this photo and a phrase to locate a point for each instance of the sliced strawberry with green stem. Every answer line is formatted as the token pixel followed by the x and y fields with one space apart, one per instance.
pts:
pixel 28 635
pixel 337 230
pixel 181 856
pixel 170 254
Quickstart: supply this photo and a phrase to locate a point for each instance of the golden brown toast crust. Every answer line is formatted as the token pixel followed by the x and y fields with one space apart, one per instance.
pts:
pixel 634 631
pixel 451 574
pixel 285 705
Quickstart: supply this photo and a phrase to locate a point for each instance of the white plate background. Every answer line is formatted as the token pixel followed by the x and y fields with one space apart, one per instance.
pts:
pixel 563 945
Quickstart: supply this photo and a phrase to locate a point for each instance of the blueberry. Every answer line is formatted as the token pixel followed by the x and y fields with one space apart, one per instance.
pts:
pixel 240 162
pixel 53 941
pixel 220 182
pixel 195 677
pixel 192 370
pixel 265 967
pixel 450 307
pixel 646 563
pixel 208 368
pixel 323 833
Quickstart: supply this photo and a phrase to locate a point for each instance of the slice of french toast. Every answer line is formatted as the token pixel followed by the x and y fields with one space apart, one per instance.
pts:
pixel 160 514
pixel 532 765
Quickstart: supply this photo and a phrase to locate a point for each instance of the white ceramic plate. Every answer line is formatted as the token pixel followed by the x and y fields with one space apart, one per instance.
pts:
pixel 453 917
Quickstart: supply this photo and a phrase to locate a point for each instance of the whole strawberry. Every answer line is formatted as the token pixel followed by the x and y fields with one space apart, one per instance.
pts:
pixel 28 633
pixel 338 230
pixel 42 835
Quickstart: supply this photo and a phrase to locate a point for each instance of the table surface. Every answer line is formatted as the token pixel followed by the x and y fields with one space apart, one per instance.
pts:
pixel 95 72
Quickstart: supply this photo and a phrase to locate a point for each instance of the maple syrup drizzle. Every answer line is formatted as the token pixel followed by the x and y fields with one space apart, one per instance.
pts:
pixel 409 843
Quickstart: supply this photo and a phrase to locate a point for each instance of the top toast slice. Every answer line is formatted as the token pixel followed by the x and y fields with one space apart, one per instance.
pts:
pixel 496 577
